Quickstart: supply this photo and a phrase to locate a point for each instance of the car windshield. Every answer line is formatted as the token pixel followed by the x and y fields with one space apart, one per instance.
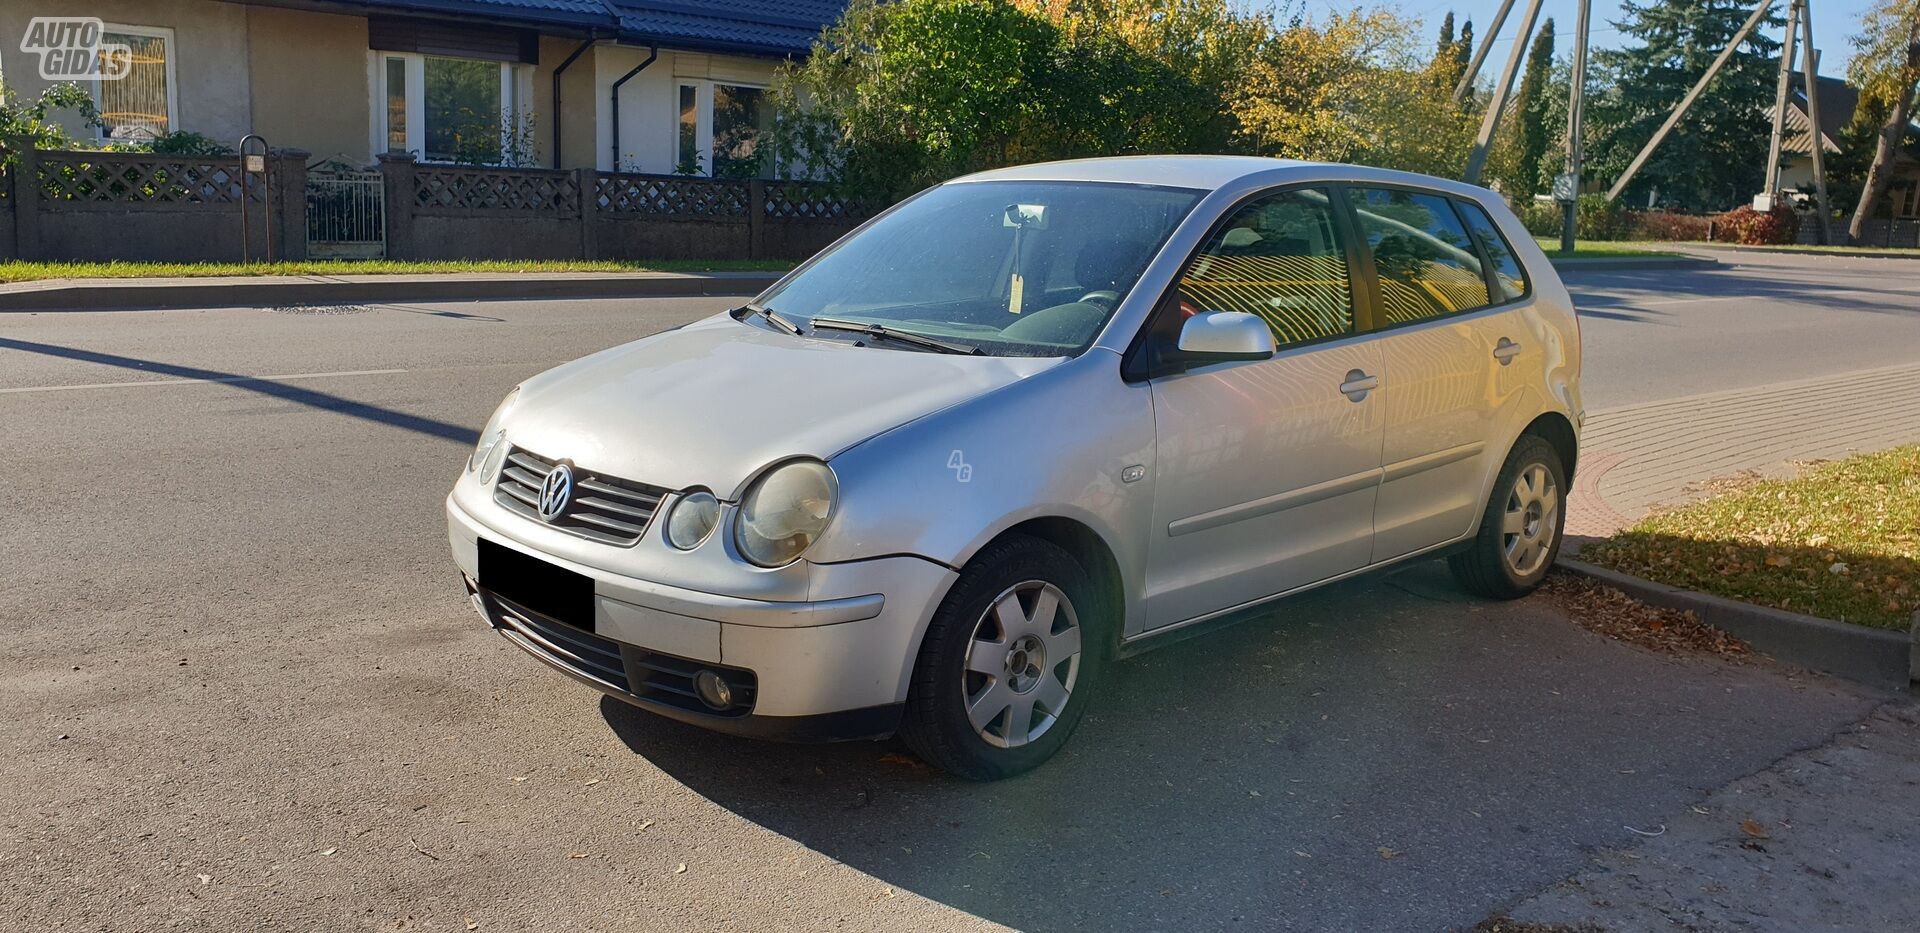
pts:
pixel 1026 268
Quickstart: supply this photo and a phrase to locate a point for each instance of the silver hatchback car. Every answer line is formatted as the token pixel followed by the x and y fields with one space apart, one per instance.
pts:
pixel 1019 426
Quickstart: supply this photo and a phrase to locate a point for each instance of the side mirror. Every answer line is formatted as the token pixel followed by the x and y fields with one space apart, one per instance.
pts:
pixel 1222 336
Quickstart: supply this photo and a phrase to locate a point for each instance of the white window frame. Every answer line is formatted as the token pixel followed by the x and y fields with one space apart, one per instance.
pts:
pixel 166 36
pixel 513 78
pixel 703 120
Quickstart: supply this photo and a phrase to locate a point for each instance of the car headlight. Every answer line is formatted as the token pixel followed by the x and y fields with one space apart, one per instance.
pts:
pixel 785 511
pixel 491 436
pixel 693 519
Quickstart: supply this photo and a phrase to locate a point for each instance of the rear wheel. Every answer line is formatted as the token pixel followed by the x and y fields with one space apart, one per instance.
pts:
pixel 1521 529
pixel 1009 660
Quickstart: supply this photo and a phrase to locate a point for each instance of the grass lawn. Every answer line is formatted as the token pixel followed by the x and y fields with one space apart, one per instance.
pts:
pixel 34 271
pixel 1601 249
pixel 1839 541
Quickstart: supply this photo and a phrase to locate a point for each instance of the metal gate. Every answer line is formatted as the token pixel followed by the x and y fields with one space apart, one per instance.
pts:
pixel 346 215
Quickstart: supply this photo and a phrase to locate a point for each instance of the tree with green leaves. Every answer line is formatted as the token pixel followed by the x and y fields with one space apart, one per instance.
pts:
pixel 1451 55
pixel 1886 68
pixel 1716 157
pixel 1522 166
pixel 1443 50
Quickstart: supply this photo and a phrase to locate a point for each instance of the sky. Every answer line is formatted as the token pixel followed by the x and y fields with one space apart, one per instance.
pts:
pixel 1834 23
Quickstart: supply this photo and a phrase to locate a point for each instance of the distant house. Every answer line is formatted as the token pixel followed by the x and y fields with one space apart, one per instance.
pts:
pixel 1837 102
pixel 635 85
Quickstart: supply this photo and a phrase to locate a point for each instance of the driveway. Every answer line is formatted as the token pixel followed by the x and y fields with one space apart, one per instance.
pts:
pixel 245 691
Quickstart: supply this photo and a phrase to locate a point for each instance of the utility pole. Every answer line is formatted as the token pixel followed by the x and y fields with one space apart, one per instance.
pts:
pixel 1686 103
pixel 1491 122
pixel 1566 189
pixel 1780 92
pixel 1480 54
pixel 1811 64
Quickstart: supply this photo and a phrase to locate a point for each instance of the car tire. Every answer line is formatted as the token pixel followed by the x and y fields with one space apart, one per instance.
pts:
pixel 994 657
pixel 1520 530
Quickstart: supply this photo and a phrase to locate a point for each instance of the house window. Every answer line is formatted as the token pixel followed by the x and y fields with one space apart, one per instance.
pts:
pixel 141 105
pixel 449 109
pixel 723 130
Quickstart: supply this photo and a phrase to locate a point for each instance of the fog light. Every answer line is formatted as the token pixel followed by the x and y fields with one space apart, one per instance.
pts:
pixel 713 689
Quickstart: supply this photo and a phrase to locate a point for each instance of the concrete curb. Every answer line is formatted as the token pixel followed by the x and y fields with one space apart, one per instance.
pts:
pixel 1630 263
pixel 148 294
pixel 1788 251
pixel 1878 657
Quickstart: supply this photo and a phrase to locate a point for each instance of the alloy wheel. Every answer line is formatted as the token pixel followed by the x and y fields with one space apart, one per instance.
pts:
pixel 1022 663
pixel 1531 519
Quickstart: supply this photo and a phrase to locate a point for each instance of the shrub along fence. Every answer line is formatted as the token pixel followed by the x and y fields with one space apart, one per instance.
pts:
pixel 57 205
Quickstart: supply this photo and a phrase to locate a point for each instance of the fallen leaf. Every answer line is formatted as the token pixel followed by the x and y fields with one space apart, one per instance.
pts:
pixel 1387 853
pixel 1753 828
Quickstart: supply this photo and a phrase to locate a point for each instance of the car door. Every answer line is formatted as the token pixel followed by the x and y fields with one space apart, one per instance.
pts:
pixel 1432 294
pixel 1266 470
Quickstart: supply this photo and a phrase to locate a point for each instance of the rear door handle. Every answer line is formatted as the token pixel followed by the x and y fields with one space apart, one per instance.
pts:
pixel 1505 351
pixel 1358 384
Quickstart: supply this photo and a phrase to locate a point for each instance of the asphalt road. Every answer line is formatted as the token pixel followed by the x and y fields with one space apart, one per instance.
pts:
pixel 244 689
pixel 1756 319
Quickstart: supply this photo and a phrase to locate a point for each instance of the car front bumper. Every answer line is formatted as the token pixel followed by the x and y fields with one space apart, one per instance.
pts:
pixel 835 666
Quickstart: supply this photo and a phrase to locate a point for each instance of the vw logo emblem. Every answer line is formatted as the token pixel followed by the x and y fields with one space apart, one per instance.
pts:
pixel 555 492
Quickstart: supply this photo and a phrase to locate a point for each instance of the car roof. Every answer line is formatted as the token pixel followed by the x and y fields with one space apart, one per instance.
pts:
pixel 1211 172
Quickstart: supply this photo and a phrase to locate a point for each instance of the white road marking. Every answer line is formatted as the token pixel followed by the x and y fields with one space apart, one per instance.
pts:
pixel 188 382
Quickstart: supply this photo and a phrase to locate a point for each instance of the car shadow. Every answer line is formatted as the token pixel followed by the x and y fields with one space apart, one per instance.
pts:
pixel 1385 753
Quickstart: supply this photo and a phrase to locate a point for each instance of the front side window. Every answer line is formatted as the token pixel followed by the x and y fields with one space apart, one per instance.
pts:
pixel 1279 258
pixel 1506 267
pixel 1427 265
pixel 140 105
pixel 1026 268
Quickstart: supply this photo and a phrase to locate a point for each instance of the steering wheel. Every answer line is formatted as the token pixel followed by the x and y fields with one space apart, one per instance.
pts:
pixel 1106 297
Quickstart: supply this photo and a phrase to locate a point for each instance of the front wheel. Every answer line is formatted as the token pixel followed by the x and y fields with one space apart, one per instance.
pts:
pixel 1008 663
pixel 1521 529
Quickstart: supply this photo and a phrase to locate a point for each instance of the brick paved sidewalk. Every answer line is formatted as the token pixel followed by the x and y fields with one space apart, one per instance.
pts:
pixel 1642 456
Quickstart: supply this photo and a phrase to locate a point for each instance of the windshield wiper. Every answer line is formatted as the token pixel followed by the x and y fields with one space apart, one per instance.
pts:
pixel 773 317
pixel 904 336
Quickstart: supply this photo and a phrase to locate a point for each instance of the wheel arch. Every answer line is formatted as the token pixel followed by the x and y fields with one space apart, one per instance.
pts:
pixel 1556 429
pixel 1094 555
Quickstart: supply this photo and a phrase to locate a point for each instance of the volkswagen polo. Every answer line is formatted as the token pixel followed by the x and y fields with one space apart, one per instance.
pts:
pixel 1024 424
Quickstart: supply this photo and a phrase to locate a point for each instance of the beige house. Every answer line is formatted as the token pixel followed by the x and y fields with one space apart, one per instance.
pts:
pixel 653 86
pixel 1837 102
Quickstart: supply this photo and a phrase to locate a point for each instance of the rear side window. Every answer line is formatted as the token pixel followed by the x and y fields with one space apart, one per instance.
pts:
pixel 1506 269
pixel 1279 257
pixel 1427 264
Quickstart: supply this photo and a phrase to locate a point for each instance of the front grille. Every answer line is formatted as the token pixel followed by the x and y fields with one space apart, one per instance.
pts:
pixel 583 652
pixel 604 508
pixel 668 679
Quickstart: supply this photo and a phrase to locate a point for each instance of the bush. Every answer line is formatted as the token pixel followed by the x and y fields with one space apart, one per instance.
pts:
pixel 1541 218
pixel 1596 218
pixel 1749 227
pixel 1667 225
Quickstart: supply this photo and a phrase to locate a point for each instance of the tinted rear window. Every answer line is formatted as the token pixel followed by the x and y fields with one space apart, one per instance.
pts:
pixel 1506 268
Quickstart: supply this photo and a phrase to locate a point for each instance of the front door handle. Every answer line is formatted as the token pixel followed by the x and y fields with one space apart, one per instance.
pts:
pixel 1505 351
pixel 1358 384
